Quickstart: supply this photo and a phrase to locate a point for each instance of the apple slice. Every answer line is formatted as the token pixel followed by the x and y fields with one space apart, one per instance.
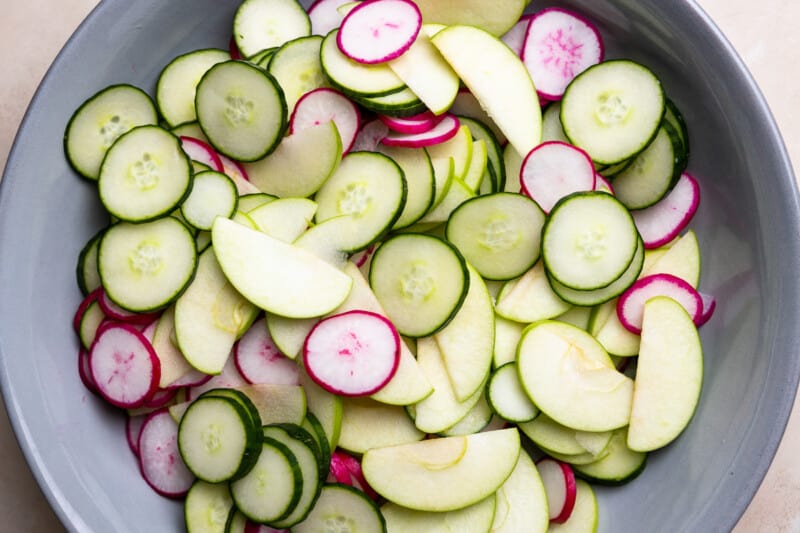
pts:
pixel 476 518
pixel 443 474
pixel 497 78
pixel 669 375
pixel 497 19
pixel 369 424
pixel 521 501
pixel 277 404
pixel 173 363
pixel 285 219
pixel 530 298
pixel 276 276
pixel 325 406
pixel 681 259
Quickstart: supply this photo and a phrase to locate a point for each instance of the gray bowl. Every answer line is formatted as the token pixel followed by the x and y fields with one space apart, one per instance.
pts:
pixel 747 226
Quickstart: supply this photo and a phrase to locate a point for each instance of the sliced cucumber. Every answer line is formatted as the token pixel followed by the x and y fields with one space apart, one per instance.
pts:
pixel 421 188
pixel 241 109
pixel 353 78
pixel 145 267
pixel 100 121
pixel 344 508
pixel 145 175
pixel 207 507
pixel 262 24
pixel 498 234
pixel 612 110
pixel 420 280
pixel 620 465
pixel 507 397
pixel 86 271
pixel 297 68
pixel 213 194
pixel 402 103
pixel 178 81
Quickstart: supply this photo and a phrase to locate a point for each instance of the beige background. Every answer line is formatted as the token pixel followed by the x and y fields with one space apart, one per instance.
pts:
pixel 765 33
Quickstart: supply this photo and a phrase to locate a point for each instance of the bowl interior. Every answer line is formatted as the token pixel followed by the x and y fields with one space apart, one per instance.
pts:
pixel 746 226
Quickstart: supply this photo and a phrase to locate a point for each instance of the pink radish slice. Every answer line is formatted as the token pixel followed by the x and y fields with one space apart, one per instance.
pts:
pixel 662 222
pixel 258 360
pixel 338 470
pixel 553 170
pixel 233 49
pixel 160 398
pixel 361 258
pixel 416 124
pixel 376 31
pixel 229 378
pixel 353 466
pixel 115 312
pixel 558 46
pixel 630 306
pixel 254 527
pixel 353 354
pixel 602 184
pixel 709 305
pixel 559 486
pixel 325 16
pixel 133 427
pixel 369 136
pixel 445 130
pixel 515 37
pixel 159 459
pixel 149 331
pixel 193 378
pixel 232 168
pixel 123 365
pixel 323 105
pixel 201 152
pixel 85 372
pixel 83 306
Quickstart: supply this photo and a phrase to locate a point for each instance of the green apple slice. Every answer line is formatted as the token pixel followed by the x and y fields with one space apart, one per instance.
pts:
pixel 496 18
pixel 369 424
pixel 325 406
pixel 173 363
pixel 571 378
pixel 277 404
pixel 443 474
pixel 277 277
pixel 285 219
pixel 497 78
pixel 521 501
pixel 584 514
pixel 529 298
pixel 682 259
pixel 604 324
pixel 507 334
pixel 476 518
pixel 669 375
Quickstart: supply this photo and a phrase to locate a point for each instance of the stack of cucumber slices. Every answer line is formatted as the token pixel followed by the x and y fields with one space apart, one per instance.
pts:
pixel 392 266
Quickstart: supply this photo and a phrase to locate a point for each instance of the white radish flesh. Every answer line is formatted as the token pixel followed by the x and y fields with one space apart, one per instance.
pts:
pixel 260 361
pixel 160 461
pixel 323 105
pixel 662 222
pixel 559 485
pixel 376 31
pixel 553 170
pixel 445 130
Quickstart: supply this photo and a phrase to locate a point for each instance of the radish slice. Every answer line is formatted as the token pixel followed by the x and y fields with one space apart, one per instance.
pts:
pixel 662 222
pixel 553 170
pixel 85 372
pixel 602 184
pixel 630 306
pixel 709 305
pixel 325 16
pixel 115 312
pixel 255 527
pixel 416 124
pixel 376 31
pixel 160 398
pixel 193 378
pixel 515 37
pixel 123 365
pixel 201 152
pixel 445 130
pixel 133 427
pixel 258 360
pixel 558 46
pixel 229 378
pixel 559 486
pixel 323 105
pixel 353 354
pixel 357 479
pixel 361 258
pixel 232 168
pixel 233 49
pixel 369 136
pixel 85 303
pixel 159 459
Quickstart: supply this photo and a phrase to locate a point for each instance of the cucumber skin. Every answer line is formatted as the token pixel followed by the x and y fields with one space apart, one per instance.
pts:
pixel 611 482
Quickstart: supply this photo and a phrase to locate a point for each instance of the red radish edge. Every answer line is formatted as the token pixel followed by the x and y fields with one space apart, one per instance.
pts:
pixel 201 152
pixel 602 184
pixel 569 45
pixel 445 130
pixel 353 466
pixel 230 167
pixel 255 527
pixel 83 306
pixel 115 312
pixel 324 16
pixel 552 471
pixel 361 258
pixel 160 461
pixel 85 372
pixel 340 353
pixel 662 222
pixel 376 31
pixel 322 105
pixel 553 170
pixel 193 378
pixel 133 427
pixel 258 360
pixel 709 306
pixel 369 136
pixel 515 37
pixel 160 398
pixel 630 306
pixel 416 124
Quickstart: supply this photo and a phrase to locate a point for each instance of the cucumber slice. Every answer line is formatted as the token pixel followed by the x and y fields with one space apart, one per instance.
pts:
pixel 338 505
pixel 401 103
pixel 498 234
pixel 241 109
pixel 612 110
pixel 418 171
pixel 86 271
pixel 262 24
pixel 588 241
pixel 175 89
pixel 421 282
pixel 145 267
pixel 297 68
pixel 506 396
pixel 213 194
pixel 207 507
pixel 620 466
pixel 145 175
pixel 100 121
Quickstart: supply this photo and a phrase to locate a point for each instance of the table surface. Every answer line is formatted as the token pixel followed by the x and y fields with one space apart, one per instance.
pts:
pixel 32 33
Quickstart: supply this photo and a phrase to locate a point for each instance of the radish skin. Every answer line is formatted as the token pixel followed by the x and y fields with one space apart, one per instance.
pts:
pixel 376 31
pixel 555 169
pixel 662 222
pixel 630 306
pixel 445 130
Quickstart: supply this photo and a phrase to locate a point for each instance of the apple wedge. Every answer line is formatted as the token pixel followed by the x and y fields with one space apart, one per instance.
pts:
pixel 285 219
pixel 498 80
pixel 521 501
pixel 530 298
pixel 496 18
pixel 369 424
pixel 477 518
pixel 277 277
pixel 669 375
pixel 443 474
pixel 173 363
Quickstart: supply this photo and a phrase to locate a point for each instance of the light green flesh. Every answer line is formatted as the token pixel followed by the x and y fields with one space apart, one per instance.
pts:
pixel 513 163
pixel 92 317
pixel 650 175
pixel 554 437
pixel 173 363
pixel 289 334
pixel 459 147
pixel 262 24
pixel 241 109
pixel 457 194
pixel 507 334
pixel 326 407
pixel 609 331
pixel 297 68
pixel 589 241
pixel 551 124
pixel 497 20
pixel 521 501
pixel 466 105
pixel 477 419
pixel 328 240
pixel 353 77
pixel 571 378
pixel 277 404
pixel 344 510
pixel 619 466
pixel 481 131
pixel 498 234
pixel 368 187
pixel 612 110
pixel 681 259
pixel 473 178
pixel 577 316
pixel 530 298
pixel 420 281
pixel 418 171
pixel 248 202
pixel 400 103
pixel 369 424
pixel 443 174
pixel 284 219
pixel 206 507
pixel 189 129
pixel 476 518
pixel 146 266
pixel 178 81
pixel 88 275
pixel 272 487
pixel 584 514
pixel 99 122
pixel 144 175
pixel 507 397
pixel 213 194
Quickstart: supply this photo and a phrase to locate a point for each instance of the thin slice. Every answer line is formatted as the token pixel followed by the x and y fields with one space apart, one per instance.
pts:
pixel 379 30
pixel 554 170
